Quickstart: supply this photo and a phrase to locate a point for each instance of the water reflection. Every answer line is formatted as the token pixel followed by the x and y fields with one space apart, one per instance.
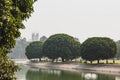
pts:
pixel 51 75
pixel 47 74
pixel 21 75
pixel 90 76
pixel 117 78
pixel 28 73
pixel 105 77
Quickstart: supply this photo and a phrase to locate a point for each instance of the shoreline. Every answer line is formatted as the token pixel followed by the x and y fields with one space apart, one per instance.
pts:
pixel 110 69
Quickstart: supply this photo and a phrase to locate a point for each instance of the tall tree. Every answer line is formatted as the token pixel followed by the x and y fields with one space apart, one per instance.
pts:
pixel 97 48
pixel 34 50
pixel 12 13
pixel 61 45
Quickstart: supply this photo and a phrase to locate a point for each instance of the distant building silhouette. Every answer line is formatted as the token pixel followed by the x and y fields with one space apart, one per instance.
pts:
pixel 35 36
pixel 43 38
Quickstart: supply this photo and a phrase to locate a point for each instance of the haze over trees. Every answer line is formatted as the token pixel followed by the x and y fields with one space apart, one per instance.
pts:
pixel 18 52
pixel 98 48
pixel 12 14
pixel 61 46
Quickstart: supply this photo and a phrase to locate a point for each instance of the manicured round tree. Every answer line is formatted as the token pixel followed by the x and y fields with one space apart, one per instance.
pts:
pixel 34 50
pixel 97 48
pixel 61 45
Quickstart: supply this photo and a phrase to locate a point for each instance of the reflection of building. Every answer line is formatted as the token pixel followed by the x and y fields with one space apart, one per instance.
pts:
pixel 35 37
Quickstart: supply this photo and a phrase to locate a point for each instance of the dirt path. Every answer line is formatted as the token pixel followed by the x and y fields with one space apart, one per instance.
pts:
pixel 113 69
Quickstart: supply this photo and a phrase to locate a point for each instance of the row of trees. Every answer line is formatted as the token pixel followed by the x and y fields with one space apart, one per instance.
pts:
pixel 68 48
pixel 57 46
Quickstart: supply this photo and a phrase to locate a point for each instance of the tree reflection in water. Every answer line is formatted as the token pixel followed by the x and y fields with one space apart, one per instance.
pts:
pixel 48 74
pixel 45 74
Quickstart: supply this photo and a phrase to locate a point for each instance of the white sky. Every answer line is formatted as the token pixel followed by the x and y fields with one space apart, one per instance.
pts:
pixel 78 18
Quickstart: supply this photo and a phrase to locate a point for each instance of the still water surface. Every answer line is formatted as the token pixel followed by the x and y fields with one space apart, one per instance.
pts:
pixel 28 73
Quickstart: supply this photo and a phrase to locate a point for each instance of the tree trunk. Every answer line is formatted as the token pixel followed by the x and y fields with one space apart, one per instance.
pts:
pixel 53 60
pixel 85 61
pixel 113 61
pixel 98 61
pixel 80 61
pixel 62 60
pixel 67 59
pixel 39 59
pixel 91 62
pixel 106 61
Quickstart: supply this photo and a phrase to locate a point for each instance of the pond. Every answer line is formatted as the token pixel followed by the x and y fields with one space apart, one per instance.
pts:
pixel 28 73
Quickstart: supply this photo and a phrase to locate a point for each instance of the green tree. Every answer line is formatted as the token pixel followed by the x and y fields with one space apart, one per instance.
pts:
pixel 61 45
pixel 12 13
pixel 118 49
pixel 97 48
pixel 34 50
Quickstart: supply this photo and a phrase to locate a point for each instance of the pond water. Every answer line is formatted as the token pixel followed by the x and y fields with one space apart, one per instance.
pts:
pixel 28 73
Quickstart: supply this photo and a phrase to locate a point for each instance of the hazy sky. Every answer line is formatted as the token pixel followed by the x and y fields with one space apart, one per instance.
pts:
pixel 78 18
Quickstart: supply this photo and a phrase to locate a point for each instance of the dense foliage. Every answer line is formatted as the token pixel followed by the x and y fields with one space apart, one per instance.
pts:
pixel 118 49
pixel 61 45
pixel 12 13
pixel 34 50
pixel 97 48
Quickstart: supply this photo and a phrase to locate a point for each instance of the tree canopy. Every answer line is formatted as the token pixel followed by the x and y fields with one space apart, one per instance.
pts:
pixel 12 13
pixel 61 45
pixel 118 49
pixel 97 48
pixel 34 50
